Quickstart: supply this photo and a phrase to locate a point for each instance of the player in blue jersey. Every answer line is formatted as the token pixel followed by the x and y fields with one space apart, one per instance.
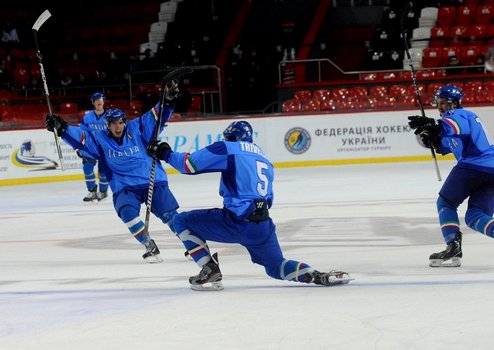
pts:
pixel 246 186
pixel 121 149
pixel 94 120
pixel 459 131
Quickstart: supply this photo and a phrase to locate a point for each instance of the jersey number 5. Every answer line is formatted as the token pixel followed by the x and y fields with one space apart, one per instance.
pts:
pixel 262 185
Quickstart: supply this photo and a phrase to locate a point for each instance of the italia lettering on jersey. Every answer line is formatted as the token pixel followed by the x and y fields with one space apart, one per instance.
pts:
pixel 125 161
pixel 123 153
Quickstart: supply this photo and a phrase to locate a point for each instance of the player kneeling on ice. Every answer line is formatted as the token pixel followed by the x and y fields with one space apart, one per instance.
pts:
pixel 459 131
pixel 246 186
pixel 122 151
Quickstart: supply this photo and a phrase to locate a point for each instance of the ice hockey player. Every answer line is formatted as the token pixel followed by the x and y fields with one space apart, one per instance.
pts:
pixel 461 132
pixel 94 119
pixel 122 151
pixel 246 186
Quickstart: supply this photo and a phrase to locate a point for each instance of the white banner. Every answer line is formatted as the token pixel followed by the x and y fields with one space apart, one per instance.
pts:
pixel 303 140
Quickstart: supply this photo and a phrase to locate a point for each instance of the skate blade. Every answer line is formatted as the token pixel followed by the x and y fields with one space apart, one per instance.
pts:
pixel 208 287
pixel 454 262
pixel 154 259
pixel 339 281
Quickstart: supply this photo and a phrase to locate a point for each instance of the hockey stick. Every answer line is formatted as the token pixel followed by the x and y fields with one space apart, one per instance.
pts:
pixel 39 22
pixel 173 75
pixel 414 79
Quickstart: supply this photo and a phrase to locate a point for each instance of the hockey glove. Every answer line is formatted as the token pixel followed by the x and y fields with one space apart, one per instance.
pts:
pixel 55 122
pixel 160 150
pixel 171 92
pixel 429 138
pixel 416 122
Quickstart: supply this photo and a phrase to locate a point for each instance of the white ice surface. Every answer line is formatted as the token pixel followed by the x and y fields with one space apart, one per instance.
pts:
pixel 73 278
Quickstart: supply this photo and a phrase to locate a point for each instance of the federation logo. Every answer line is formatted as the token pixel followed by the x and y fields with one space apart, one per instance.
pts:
pixel 297 140
pixel 25 157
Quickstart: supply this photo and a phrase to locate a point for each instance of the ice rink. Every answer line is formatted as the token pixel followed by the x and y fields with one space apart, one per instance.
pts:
pixel 73 278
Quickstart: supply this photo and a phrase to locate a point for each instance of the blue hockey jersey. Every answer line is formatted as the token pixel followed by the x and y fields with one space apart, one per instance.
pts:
pixel 126 163
pixel 464 135
pixel 92 121
pixel 246 173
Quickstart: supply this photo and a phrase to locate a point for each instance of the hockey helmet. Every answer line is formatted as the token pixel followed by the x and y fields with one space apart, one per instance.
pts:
pixel 451 93
pixel 238 131
pixel 97 96
pixel 114 115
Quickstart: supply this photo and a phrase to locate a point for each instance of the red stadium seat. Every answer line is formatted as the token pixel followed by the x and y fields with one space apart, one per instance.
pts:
pixel 406 101
pixel 387 75
pixel 302 94
pixel 450 51
pixel 321 94
pixel 459 35
pixel 358 91
pixel 340 93
pixel 466 14
pixel 291 105
pixel 378 91
pixel 446 16
pixel 425 74
pixel 489 86
pixel 68 108
pixel 475 86
pixel 328 105
pixel 397 90
pixel 439 36
pixel 311 105
pixel 432 57
pixel 477 33
pixel 386 102
pixel 484 14
pixel 470 55
pixel 195 104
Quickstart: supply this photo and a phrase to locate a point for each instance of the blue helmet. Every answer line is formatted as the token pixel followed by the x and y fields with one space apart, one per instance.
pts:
pixel 114 115
pixel 97 96
pixel 238 131
pixel 450 92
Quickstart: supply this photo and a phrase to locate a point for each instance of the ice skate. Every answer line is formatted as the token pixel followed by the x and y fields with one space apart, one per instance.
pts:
pixel 209 278
pixel 331 278
pixel 152 254
pixel 102 196
pixel 91 196
pixel 450 257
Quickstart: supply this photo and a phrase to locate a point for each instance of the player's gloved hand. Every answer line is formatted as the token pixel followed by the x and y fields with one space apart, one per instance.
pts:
pixel 55 123
pixel 171 92
pixel 160 150
pixel 417 121
pixel 429 138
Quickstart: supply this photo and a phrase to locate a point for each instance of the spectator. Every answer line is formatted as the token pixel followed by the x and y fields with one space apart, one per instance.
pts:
pixel 9 35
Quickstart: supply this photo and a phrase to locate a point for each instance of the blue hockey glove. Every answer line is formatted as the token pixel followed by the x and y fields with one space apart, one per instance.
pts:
pixel 55 122
pixel 160 150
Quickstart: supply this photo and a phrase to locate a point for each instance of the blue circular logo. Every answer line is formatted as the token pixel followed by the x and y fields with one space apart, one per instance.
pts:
pixel 297 140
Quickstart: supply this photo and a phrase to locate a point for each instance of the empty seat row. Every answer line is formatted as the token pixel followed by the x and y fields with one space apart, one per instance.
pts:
pixel 382 96
pixel 466 55
pixel 439 36
pixel 465 14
